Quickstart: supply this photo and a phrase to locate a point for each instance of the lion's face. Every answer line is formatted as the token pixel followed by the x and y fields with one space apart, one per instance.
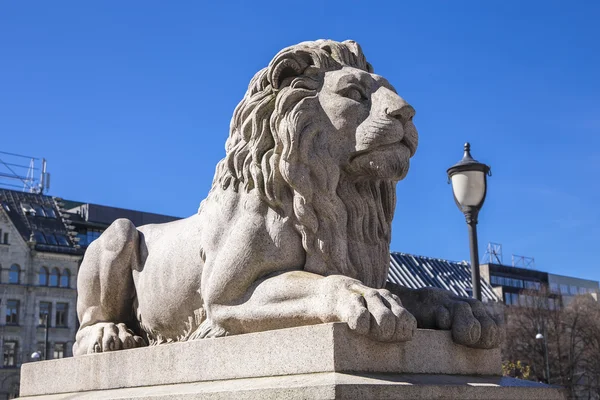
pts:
pixel 323 140
pixel 375 136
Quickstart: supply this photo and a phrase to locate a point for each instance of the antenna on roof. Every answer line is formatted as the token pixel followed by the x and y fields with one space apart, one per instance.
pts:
pixel 523 261
pixel 44 184
pixel 11 177
pixel 493 254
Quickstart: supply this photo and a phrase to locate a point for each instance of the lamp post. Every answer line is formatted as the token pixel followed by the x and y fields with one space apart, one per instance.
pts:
pixel 469 185
pixel 539 336
pixel 46 322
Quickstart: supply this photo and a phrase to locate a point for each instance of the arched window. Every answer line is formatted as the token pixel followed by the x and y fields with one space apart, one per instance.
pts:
pixel 43 277
pixel 65 278
pixel 54 277
pixel 13 273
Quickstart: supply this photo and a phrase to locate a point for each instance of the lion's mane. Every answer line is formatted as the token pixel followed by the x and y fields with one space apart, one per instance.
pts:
pixel 275 148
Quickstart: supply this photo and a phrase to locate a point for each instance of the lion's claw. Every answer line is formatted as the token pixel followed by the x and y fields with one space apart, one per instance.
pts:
pixel 106 336
pixel 376 313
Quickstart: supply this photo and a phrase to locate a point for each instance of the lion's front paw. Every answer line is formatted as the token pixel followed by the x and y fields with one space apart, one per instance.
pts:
pixel 105 336
pixel 373 312
pixel 470 321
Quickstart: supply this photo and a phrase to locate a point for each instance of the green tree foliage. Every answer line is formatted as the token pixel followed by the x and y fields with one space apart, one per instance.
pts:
pixel 516 370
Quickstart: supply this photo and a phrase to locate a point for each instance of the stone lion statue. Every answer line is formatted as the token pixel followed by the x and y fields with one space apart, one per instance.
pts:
pixel 295 230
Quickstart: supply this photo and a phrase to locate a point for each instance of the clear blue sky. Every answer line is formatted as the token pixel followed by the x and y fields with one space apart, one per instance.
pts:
pixel 130 102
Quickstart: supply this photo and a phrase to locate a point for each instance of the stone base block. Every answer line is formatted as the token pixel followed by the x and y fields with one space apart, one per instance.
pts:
pixel 315 362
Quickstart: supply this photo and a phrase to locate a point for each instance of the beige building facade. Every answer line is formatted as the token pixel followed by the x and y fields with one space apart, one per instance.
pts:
pixel 42 243
pixel 37 281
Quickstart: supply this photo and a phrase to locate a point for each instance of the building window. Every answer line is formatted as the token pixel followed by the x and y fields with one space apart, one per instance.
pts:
pixel 582 290
pixel 564 289
pixel 39 237
pixel 49 212
pixel 515 298
pixel 39 210
pixel 10 354
pixel 82 239
pixel 45 310
pixel 12 312
pixel 92 234
pixel 59 350
pixel 507 299
pixel 27 209
pixel 62 240
pixel 13 274
pixel 5 237
pixel 533 285
pixel 573 290
pixel 51 239
pixel 54 277
pixel 553 304
pixel 65 278
pixel 43 276
pixel 62 310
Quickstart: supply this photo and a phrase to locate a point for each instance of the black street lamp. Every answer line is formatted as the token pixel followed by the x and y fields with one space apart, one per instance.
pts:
pixel 469 185
pixel 539 336
pixel 46 323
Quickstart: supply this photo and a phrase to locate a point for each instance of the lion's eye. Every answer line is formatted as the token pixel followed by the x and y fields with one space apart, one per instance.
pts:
pixel 354 93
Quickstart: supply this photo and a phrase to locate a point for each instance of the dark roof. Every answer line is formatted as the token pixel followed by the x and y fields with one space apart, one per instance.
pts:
pixel 95 215
pixel 512 271
pixel 39 215
pixel 417 271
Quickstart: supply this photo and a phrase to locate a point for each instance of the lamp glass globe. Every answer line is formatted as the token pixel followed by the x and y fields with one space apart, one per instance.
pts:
pixel 468 187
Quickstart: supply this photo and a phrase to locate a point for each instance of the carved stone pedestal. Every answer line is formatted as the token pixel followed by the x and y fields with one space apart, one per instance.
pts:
pixel 315 362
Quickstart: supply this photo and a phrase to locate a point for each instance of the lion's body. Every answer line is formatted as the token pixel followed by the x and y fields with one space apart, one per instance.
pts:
pixel 295 230
pixel 169 270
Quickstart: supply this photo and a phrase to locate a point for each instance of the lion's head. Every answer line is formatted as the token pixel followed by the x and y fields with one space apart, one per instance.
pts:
pixel 323 139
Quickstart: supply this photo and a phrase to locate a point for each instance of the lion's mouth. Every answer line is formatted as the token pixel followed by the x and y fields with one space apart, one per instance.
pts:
pixel 393 146
pixel 410 138
pixel 412 146
pixel 386 137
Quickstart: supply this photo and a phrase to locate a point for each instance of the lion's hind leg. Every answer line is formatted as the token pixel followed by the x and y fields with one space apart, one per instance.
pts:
pixel 106 292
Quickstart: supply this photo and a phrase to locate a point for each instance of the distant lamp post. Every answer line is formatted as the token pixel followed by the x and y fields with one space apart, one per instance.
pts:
pixel 35 356
pixel 539 336
pixel 469 185
pixel 46 324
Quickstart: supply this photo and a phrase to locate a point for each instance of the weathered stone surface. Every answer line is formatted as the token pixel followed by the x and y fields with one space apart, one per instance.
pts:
pixel 332 385
pixel 324 361
pixel 295 230
pixel 304 350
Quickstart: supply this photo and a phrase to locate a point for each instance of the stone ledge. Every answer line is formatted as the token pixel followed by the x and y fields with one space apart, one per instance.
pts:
pixel 333 385
pixel 296 351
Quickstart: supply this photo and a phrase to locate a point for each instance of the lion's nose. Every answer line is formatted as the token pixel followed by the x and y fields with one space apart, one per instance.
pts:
pixel 404 113
pixel 396 107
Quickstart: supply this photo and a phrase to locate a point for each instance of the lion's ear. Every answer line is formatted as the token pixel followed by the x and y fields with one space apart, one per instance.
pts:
pixel 287 65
